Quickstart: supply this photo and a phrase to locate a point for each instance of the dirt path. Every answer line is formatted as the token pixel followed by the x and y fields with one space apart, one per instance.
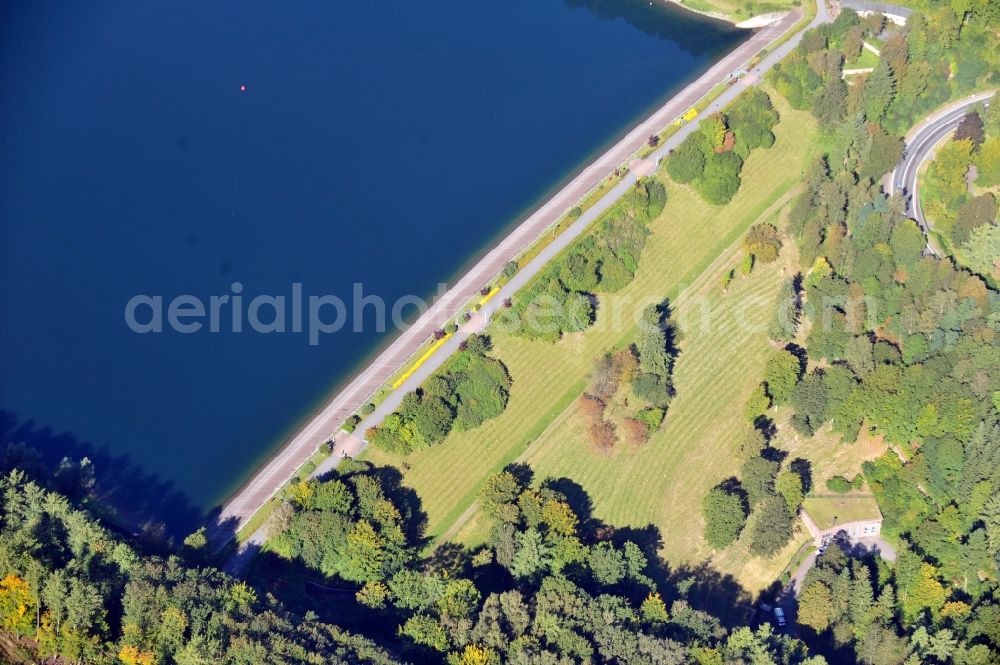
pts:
pixel 320 429
pixel 697 286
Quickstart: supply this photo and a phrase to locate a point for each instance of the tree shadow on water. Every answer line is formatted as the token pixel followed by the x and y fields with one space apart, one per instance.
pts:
pixel 696 36
pixel 132 500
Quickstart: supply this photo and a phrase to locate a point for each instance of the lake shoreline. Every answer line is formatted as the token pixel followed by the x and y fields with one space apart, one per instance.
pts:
pixel 192 182
pixel 750 23
pixel 718 16
pixel 317 406
pixel 289 459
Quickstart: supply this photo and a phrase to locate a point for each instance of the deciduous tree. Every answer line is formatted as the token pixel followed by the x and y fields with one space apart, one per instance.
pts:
pixel 725 514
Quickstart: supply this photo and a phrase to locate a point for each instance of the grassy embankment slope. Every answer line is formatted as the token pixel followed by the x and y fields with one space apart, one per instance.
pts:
pixel 663 483
pixel 737 10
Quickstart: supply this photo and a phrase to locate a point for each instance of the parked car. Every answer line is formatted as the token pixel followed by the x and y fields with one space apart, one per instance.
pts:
pixel 779 614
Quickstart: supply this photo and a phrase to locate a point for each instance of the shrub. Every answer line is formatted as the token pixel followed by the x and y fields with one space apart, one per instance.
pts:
pixel 712 158
pixel 713 130
pixel 636 431
pixel 433 419
pixel 558 300
pixel 471 389
pixel 751 117
pixel 367 409
pixel 727 279
pixel 763 241
pixel 547 310
pixel 578 272
pixel 509 270
pixel 795 80
pixel 651 416
pixel 646 200
pixel 721 179
pixel 614 274
pixel 687 163
pixel 725 514
pixel 839 484
pixel 772 527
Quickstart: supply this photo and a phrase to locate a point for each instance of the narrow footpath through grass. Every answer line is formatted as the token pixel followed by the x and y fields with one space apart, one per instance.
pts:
pixel 663 482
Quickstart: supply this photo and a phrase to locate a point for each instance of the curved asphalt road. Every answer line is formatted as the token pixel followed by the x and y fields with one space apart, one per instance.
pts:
pixel 274 474
pixel 920 144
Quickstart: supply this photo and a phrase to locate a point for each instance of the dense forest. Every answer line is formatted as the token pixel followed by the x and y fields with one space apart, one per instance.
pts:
pixel 893 341
pixel 874 336
pixel 964 218
pixel 69 587
pixel 552 586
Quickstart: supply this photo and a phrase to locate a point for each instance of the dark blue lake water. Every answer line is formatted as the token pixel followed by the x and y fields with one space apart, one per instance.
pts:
pixel 379 142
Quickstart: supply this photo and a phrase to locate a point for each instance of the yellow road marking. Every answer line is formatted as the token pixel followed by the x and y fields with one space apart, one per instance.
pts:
pixel 420 361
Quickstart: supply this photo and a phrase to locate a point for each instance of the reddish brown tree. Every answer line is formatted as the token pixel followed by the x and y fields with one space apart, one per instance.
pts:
pixel 591 407
pixel 602 436
pixel 636 432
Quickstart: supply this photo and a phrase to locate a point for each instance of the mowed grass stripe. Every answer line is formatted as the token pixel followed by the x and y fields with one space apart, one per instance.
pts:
pixel 685 243
pixel 662 484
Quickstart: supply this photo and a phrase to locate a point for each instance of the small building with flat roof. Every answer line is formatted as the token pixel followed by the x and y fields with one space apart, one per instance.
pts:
pixel 894 13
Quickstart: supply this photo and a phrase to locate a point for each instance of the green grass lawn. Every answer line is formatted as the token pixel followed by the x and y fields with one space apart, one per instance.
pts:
pixel 662 483
pixel 827 454
pixel 865 60
pixel 828 511
pixel 876 42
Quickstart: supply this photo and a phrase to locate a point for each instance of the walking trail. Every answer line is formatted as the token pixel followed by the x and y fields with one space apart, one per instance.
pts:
pixel 321 428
